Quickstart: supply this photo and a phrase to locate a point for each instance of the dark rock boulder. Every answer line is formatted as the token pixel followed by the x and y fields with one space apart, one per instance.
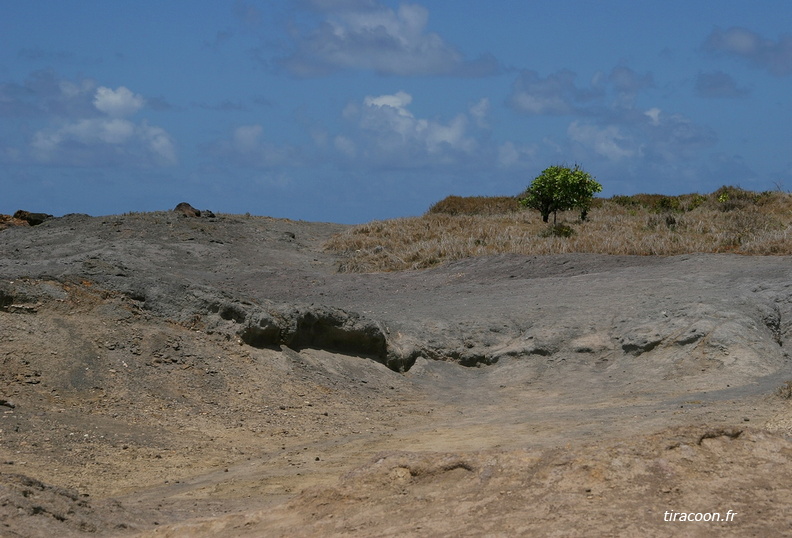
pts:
pixel 34 219
pixel 187 210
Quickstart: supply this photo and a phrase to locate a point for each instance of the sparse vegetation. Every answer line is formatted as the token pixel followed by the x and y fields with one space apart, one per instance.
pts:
pixel 729 220
pixel 560 188
pixel 785 391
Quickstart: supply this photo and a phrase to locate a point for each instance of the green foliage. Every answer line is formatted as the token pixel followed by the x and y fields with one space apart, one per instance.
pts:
pixel 696 200
pixel 558 230
pixel 668 203
pixel 625 201
pixel 660 203
pixel 560 188
pixel 732 198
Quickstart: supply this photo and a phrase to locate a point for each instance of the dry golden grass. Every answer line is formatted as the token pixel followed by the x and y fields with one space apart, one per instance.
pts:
pixel 728 220
pixel 476 205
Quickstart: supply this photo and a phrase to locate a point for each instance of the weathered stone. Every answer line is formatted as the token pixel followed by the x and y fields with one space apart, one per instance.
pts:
pixel 187 210
pixel 34 219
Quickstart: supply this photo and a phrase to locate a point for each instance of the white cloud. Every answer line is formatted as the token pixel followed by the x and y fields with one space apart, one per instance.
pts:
pixel 480 112
pixel 159 143
pixel 399 101
pixel 43 94
pixel 452 135
pixel 654 115
pixel 559 95
pixel 512 155
pixel 247 138
pixel 650 136
pixel 625 80
pixel 391 131
pixel 735 40
pixel 346 146
pixel 675 137
pixel 371 36
pixel 117 103
pixel 608 126
pixel 775 56
pixel 88 126
pixel 556 94
pixel 104 141
pixel 72 90
pixel 48 143
pixel 607 141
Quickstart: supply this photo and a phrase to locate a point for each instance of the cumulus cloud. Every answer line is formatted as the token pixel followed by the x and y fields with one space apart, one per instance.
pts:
pixel 554 95
pixel 607 141
pixel 671 137
pixel 247 138
pixel 86 125
pixel 718 85
pixel 365 35
pixel 157 141
pixel 607 126
pixel 774 56
pixel 654 115
pixel 652 136
pixel 44 94
pixel 388 132
pixel 559 95
pixel 481 111
pixel 104 141
pixel 346 146
pixel 511 155
pixel 118 103
pixel 625 80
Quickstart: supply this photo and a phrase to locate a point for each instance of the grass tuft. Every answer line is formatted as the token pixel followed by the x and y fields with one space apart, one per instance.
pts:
pixel 785 390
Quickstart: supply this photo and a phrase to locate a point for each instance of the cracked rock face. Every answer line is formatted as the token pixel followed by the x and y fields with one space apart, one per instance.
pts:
pixel 300 327
pixel 682 312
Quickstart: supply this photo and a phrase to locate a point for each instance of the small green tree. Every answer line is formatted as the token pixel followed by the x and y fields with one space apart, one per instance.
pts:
pixel 559 188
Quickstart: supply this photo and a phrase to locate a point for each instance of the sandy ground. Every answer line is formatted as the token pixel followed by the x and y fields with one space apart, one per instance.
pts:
pixel 557 396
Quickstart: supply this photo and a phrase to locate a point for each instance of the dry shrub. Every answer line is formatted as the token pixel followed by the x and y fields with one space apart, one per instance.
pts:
pixel 476 205
pixel 785 390
pixel 761 224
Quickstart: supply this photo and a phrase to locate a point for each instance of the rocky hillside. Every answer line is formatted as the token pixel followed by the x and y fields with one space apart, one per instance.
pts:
pixel 186 374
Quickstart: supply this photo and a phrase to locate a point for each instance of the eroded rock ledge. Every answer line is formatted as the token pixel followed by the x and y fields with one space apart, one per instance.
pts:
pixel 314 326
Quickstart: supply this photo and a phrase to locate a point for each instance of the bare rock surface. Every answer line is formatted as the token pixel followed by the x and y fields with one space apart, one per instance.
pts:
pixel 216 376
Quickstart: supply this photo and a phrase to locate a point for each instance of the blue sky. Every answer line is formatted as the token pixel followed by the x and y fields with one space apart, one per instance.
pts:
pixel 355 110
